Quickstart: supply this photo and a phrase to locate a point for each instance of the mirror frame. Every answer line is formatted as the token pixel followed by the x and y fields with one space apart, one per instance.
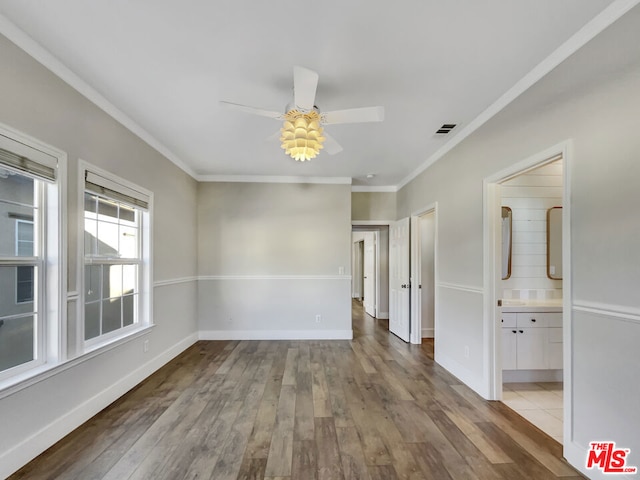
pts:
pixel 506 212
pixel 554 250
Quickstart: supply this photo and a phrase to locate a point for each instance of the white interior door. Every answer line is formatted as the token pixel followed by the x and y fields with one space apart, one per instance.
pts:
pixel 399 279
pixel 370 274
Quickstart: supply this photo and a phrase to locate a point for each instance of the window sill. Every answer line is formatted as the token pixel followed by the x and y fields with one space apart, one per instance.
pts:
pixel 40 373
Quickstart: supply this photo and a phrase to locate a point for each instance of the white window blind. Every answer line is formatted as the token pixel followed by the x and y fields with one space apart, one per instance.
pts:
pixel 24 159
pixel 103 186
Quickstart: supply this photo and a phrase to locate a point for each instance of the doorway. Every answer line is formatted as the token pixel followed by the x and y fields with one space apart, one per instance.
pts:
pixel 423 273
pixel 370 257
pixel 526 316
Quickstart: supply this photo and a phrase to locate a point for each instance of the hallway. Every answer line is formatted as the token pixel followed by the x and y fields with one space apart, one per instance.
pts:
pixel 371 408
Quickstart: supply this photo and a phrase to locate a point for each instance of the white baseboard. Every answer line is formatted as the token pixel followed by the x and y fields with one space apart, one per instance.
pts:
pixel 383 315
pixel 22 453
pixel 472 381
pixel 428 332
pixel 276 335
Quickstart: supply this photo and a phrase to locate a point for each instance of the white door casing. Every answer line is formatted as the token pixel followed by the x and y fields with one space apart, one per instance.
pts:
pixel 399 279
pixel 370 274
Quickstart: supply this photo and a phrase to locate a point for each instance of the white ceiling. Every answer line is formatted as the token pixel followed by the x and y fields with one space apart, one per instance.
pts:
pixel 164 65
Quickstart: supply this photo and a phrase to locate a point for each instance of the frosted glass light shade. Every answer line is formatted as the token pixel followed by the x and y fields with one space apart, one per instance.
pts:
pixel 301 135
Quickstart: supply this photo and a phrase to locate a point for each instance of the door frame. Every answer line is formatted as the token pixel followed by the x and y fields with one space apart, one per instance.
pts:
pixel 376 272
pixel 374 224
pixel 416 310
pixel 492 328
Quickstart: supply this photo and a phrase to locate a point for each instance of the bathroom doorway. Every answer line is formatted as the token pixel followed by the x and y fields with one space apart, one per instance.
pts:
pixel 525 214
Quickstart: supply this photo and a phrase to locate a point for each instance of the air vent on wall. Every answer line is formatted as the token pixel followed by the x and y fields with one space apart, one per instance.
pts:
pixel 445 128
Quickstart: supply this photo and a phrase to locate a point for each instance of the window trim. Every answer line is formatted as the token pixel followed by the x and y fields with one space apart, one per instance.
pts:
pixel 52 309
pixel 37 264
pixel 145 294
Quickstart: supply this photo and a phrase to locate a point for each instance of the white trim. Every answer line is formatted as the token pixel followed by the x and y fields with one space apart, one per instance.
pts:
pixel 491 199
pixel 52 344
pixel 380 188
pixel 71 296
pixel 620 312
pixel 416 264
pixel 46 371
pixel 26 43
pixel 460 287
pixel 273 277
pixel 174 281
pixel 14 458
pixel 144 261
pixel 275 335
pixel 371 223
pixel 383 316
pixel 463 374
pixel 601 21
pixel 273 179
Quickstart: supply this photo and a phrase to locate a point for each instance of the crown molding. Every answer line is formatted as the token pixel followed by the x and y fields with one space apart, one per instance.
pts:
pixel 590 30
pixel 273 179
pixel 49 61
pixel 371 188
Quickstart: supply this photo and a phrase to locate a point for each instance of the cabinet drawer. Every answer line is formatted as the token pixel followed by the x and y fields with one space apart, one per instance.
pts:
pixel 539 320
pixel 509 320
pixel 555 335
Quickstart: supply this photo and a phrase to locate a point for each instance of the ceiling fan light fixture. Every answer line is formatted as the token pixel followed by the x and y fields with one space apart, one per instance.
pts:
pixel 301 135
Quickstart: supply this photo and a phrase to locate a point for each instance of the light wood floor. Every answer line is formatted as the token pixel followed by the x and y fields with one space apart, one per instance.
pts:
pixel 371 408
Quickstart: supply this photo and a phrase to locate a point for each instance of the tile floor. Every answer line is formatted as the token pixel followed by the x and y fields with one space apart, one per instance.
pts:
pixel 540 403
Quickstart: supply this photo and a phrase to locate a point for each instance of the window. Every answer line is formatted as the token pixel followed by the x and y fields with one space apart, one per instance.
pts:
pixel 29 281
pixel 116 255
pixel 24 247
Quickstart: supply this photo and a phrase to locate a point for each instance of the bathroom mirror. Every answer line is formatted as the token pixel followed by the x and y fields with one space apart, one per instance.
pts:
pixel 554 243
pixel 506 242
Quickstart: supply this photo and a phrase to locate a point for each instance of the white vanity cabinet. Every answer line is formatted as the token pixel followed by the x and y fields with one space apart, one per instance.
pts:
pixel 531 340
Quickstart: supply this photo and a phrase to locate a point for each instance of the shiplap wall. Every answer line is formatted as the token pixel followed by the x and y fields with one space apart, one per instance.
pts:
pixel 529 196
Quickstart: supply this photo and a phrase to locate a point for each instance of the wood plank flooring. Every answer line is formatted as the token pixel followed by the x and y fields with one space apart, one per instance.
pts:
pixel 371 408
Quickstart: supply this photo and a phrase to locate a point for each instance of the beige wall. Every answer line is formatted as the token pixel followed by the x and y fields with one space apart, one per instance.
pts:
pixel 273 256
pixel 373 206
pixel 36 102
pixel 598 114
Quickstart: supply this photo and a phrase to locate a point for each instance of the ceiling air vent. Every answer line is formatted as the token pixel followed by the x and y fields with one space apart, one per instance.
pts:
pixel 445 128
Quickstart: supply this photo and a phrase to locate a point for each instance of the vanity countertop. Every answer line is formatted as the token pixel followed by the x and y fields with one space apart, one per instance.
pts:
pixel 552 305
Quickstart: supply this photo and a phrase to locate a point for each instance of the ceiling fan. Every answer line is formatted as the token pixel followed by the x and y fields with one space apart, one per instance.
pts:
pixel 302 135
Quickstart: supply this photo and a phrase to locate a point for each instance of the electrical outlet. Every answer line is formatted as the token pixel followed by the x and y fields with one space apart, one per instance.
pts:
pixel 340 270
pixel 145 346
pixel 318 318
pixel 466 351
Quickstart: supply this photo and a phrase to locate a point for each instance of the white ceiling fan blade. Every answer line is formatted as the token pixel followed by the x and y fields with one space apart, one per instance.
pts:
pixel 354 115
pixel 275 137
pixel 252 110
pixel 305 83
pixel 330 145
